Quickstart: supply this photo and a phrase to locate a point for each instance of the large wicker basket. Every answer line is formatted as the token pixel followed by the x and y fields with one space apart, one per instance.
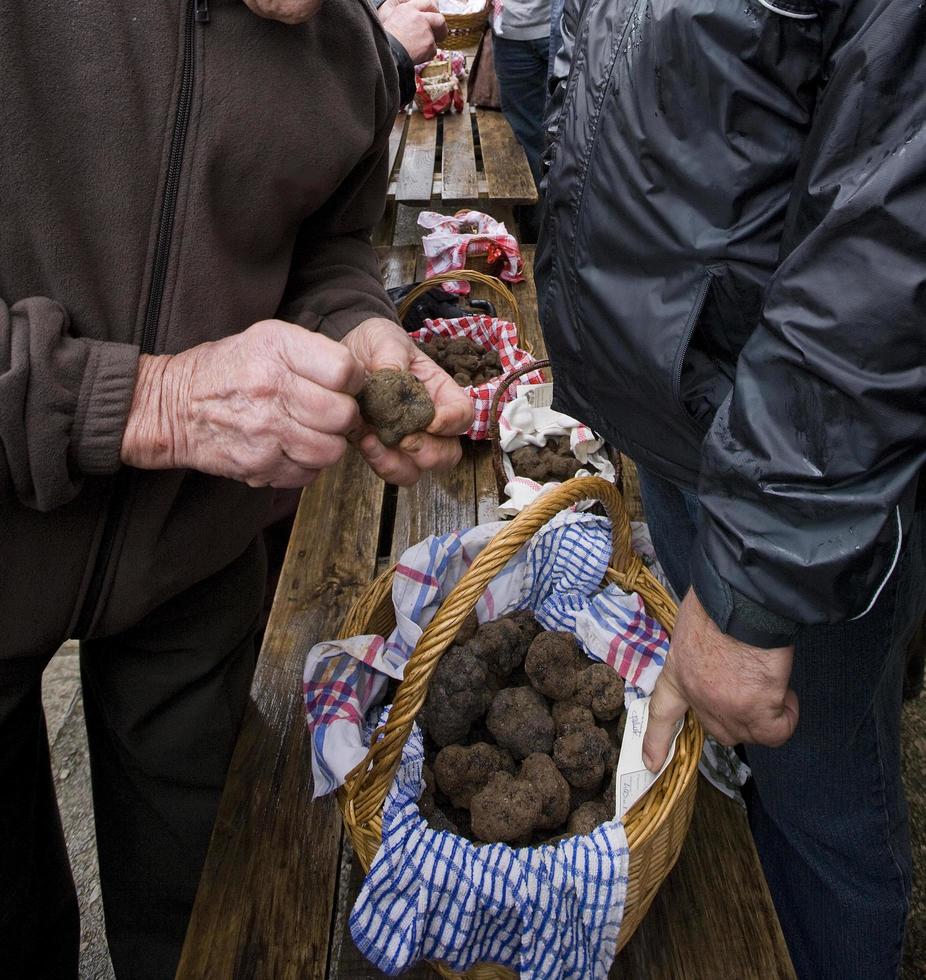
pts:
pixel 656 825
pixel 466 30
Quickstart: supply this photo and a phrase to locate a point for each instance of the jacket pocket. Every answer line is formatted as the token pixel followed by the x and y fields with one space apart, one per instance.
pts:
pixel 705 360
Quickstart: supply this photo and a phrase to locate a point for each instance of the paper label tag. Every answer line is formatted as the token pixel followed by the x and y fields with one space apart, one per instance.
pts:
pixel 633 778
pixel 538 396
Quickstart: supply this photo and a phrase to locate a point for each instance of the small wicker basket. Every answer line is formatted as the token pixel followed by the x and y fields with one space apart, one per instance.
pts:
pixel 655 826
pixel 494 284
pixel 498 469
pixel 466 30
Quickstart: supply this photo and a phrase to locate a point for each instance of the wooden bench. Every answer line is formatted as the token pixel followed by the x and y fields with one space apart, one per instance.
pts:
pixel 279 879
pixel 457 158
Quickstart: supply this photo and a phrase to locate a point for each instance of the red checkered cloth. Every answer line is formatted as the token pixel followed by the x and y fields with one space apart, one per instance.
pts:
pixel 434 97
pixel 495 334
pixel 450 239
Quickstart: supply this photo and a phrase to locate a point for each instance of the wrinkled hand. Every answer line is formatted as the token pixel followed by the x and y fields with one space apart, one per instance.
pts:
pixel 379 343
pixel 416 24
pixel 270 407
pixel 739 692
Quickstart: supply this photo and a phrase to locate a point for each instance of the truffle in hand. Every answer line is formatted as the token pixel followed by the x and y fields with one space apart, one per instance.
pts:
pixel 395 403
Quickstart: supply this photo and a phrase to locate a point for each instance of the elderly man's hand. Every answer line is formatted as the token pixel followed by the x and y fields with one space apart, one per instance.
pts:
pixel 270 406
pixel 379 343
pixel 739 692
pixel 416 25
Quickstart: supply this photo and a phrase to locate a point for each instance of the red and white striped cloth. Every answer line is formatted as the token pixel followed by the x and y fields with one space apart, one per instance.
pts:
pixel 451 238
pixel 493 334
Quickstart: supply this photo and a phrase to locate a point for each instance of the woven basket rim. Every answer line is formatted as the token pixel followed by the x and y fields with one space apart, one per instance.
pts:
pixel 644 823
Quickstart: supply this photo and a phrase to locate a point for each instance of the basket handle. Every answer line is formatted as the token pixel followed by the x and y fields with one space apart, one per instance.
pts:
pixel 366 785
pixel 497 468
pixel 469 275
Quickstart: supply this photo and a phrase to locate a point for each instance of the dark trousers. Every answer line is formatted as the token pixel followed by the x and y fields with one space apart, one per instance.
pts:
pixel 163 704
pixel 827 809
pixel 521 67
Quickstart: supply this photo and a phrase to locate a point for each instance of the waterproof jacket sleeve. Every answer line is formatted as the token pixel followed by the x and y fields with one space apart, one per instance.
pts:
pixel 335 281
pixel 64 401
pixel 811 465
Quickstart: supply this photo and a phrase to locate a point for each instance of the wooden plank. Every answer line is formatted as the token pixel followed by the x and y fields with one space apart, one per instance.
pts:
pixel 713 916
pixel 397 265
pixel 503 160
pixel 459 181
pixel 416 166
pixel 265 898
pixel 436 504
pixel 396 137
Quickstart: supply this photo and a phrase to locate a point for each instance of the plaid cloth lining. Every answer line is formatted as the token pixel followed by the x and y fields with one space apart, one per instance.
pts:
pixel 495 334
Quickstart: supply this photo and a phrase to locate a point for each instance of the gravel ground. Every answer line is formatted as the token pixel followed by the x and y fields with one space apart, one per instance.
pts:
pixel 72 774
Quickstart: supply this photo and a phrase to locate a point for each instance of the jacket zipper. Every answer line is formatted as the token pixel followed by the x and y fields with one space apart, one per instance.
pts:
pixel 197 12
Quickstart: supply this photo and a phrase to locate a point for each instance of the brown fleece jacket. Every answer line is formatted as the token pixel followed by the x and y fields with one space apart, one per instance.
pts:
pixel 250 157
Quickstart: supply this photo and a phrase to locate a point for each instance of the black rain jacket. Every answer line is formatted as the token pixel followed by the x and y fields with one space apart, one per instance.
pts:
pixel 732 280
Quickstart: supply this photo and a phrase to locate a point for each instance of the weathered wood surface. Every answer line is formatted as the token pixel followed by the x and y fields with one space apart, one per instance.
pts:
pixel 447 160
pixel 266 896
pixel 506 169
pixel 460 181
pixel 713 916
pixel 416 169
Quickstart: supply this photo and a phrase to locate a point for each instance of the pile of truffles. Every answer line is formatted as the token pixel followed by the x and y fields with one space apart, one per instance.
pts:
pixel 467 362
pixel 522 735
pixel 552 461
pixel 395 404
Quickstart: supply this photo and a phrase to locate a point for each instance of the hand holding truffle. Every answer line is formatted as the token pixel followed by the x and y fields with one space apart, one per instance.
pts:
pixel 740 693
pixel 272 405
pixel 400 454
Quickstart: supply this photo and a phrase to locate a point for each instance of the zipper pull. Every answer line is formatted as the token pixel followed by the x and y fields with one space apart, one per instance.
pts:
pixel 202 11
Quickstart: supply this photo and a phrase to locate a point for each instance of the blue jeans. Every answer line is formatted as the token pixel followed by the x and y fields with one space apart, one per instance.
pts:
pixel 521 67
pixel 827 809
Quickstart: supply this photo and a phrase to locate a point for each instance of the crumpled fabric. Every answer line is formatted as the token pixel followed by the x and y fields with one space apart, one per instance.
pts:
pixel 492 333
pixel 448 240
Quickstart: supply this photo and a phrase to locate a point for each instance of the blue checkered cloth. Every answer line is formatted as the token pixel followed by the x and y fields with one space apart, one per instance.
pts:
pixel 549 913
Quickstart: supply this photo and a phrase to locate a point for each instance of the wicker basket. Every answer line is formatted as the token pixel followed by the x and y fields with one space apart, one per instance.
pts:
pixel 655 826
pixel 494 284
pixel 466 30
pixel 438 79
pixel 501 478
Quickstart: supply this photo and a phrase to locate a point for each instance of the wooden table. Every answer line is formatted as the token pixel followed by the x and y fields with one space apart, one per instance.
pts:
pixel 458 158
pixel 279 879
